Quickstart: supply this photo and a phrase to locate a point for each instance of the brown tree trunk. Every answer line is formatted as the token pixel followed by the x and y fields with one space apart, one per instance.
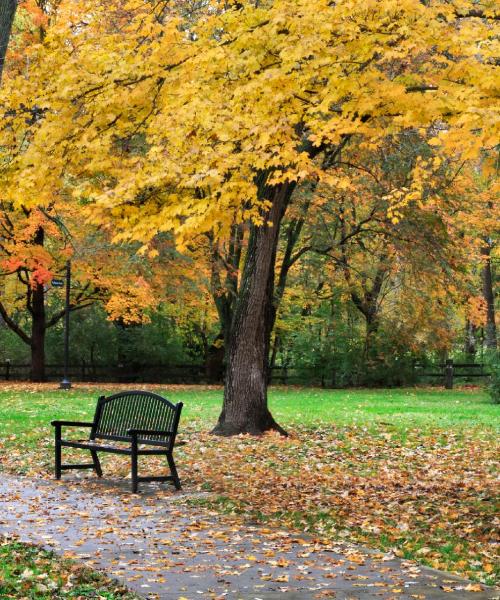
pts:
pixel 38 333
pixel 490 330
pixel 214 360
pixel 7 12
pixel 372 326
pixel 245 408
pixel 224 287
pixel 36 306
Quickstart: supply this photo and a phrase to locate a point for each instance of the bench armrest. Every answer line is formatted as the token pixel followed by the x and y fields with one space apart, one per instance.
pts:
pixel 71 424
pixel 138 432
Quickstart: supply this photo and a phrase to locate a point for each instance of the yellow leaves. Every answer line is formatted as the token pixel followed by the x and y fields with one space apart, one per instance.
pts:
pixel 208 114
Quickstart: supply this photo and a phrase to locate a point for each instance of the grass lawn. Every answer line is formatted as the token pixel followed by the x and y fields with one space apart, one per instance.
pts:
pixel 413 471
pixel 28 572
pixel 23 407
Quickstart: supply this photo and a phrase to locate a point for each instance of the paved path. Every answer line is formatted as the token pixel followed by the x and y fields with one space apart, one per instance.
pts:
pixel 161 548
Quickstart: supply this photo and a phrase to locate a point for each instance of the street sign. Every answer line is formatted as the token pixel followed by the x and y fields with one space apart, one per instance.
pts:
pixel 57 283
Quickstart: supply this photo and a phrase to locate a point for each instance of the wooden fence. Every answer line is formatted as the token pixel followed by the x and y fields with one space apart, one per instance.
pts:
pixel 449 371
pixel 152 373
pixel 445 374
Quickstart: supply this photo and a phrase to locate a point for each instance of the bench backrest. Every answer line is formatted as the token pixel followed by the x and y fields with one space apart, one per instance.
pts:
pixel 116 414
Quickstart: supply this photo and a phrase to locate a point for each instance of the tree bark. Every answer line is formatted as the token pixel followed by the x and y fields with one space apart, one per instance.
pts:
pixel 245 408
pixel 7 12
pixel 36 307
pixel 226 266
pixel 38 333
pixel 490 330
pixel 214 361
pixel 372 326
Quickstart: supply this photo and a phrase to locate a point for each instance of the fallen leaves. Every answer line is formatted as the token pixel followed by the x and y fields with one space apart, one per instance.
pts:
pixel 428 494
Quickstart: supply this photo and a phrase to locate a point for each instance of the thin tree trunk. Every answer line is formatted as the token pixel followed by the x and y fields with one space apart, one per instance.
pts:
pixel 225 293
pixel 372 326
pixel 214 360
pixel 470 340
pixel 273 355
pixel 490 330
pixel 245 408
pixel 7 12
pixel 38 333
pixel 36 306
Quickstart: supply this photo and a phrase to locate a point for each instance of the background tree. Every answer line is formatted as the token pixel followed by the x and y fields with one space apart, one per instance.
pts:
pixel 230 155
pixel 7 13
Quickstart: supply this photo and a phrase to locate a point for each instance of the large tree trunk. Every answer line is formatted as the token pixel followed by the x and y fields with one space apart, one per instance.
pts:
pixel 7 12
pixel 490 330
pixel 245 407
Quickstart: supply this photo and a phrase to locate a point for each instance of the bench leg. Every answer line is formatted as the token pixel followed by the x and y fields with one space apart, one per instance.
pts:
pixel 135 478
pixel 97 463
pixel 173 471
pixel 57 449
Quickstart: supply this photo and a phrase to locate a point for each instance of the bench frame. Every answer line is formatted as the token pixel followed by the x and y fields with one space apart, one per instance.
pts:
pixel 137 437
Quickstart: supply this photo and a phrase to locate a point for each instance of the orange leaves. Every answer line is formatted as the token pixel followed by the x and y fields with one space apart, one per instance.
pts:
pixel 41 275
pixel 476 310
pixel 20 249
pixel 365 486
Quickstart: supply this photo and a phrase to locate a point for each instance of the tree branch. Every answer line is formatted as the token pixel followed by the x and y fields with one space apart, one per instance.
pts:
pixel 13 326
pixel 59 315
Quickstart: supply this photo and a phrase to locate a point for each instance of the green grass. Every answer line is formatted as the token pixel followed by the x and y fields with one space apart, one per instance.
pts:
pixel 31 411
pixel 30 573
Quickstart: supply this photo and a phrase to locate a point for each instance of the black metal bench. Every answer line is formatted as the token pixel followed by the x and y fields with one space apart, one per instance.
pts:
pixel 135 417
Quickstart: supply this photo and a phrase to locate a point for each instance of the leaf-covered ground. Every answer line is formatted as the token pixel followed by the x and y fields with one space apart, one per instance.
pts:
pixel 29 572
pixel 412 471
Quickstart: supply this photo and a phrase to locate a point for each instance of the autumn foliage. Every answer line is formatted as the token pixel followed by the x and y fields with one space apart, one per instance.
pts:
pixel 255 135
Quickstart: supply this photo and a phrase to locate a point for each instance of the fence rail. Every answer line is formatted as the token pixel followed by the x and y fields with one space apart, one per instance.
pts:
pixel 445 373
pixel 151 373
pixel 449 371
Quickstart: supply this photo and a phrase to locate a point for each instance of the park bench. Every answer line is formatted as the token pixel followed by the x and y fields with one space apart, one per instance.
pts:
pixel 134 418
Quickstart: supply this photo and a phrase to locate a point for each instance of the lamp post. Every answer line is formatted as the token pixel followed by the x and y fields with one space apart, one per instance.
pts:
pixel 66 383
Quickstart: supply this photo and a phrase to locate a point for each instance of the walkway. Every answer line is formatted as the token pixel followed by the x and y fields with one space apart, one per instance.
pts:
pixel 163 549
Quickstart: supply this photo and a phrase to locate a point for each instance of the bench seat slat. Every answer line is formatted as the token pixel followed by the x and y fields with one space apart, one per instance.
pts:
pixel 111 449
pixel 128 439
pixel 71 424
